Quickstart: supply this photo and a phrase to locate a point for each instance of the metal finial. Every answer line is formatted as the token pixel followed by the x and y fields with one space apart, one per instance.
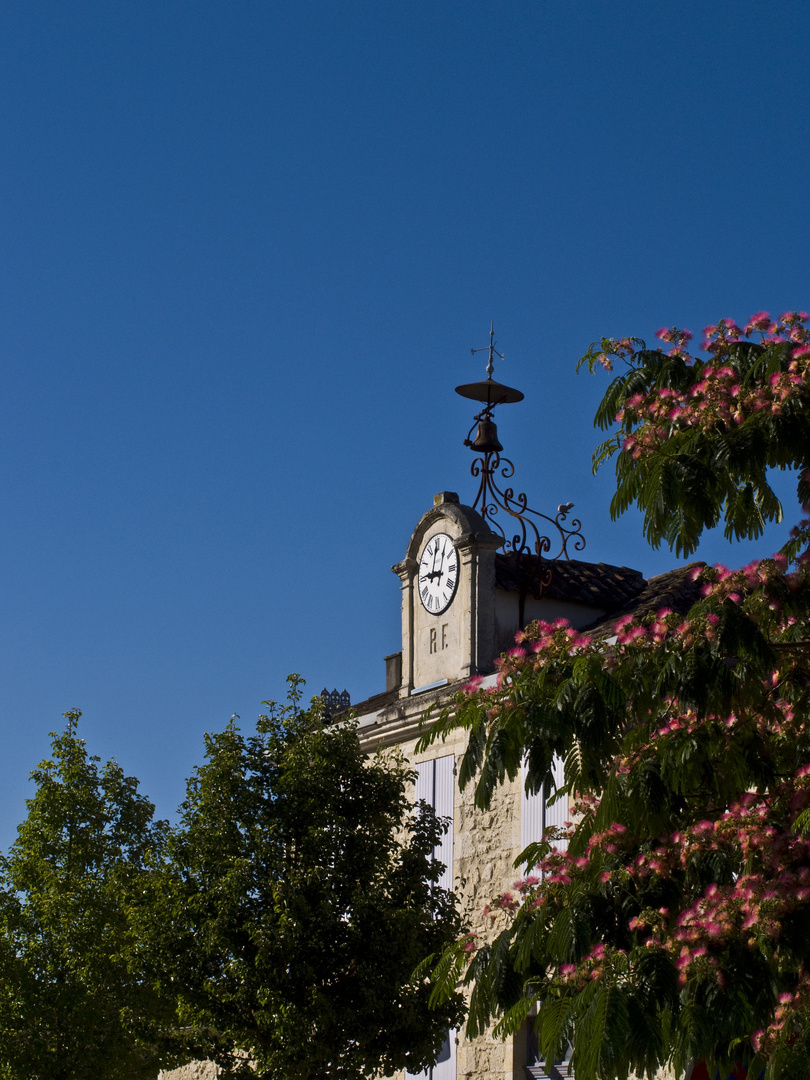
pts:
pixel 493 352
pixel 488 391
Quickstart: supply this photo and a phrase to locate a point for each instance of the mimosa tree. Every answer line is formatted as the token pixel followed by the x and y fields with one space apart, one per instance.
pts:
pixel 676 926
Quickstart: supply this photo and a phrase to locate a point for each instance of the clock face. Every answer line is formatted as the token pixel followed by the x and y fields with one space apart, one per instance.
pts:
pixel 438 574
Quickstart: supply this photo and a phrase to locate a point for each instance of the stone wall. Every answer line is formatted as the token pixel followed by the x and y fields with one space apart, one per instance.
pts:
pixel 198 1070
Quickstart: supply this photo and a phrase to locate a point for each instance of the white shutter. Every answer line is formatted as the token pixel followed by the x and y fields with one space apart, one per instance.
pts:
pixel 535 813
pixel 532 817
pixel 445 1067
pixel 557 812
pixel 424 783
pixel 436 785
pixel 445 797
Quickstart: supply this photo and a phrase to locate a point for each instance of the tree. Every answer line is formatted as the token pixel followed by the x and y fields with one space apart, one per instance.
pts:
pixel 676 926
pixel 697 436
pixel 74 999
pixel 303 895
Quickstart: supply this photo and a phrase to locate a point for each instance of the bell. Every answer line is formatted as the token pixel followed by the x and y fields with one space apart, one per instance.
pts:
pixel 486 441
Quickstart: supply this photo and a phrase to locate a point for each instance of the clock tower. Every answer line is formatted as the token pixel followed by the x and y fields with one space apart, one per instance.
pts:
pixel 469 583
pixel 448 589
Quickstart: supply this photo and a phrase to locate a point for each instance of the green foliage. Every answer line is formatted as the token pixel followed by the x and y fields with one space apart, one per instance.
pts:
pixel 75 999
pixel 302 895
pixel 700 462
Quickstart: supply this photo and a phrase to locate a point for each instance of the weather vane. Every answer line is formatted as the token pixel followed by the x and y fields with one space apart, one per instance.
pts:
pixel 490 499
pixel 493 352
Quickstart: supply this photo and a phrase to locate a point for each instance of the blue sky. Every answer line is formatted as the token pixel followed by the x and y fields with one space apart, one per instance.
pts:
pixel 246 248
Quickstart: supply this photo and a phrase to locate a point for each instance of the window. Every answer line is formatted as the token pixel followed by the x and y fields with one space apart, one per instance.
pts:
pixel 536 1067
pixel 536 814
pixel 436 785
pixel 445 1067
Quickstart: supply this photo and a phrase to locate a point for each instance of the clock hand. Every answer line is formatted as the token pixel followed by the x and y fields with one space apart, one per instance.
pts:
pixel 435 553
pixel 441 564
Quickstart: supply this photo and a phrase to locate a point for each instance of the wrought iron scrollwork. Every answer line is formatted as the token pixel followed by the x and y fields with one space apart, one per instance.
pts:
pixel 491 500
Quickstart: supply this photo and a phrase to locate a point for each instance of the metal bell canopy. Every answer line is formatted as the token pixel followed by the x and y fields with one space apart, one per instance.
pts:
pixel 491 499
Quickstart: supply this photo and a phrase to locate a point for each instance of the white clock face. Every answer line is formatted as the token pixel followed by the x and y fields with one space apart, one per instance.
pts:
pixel 438 574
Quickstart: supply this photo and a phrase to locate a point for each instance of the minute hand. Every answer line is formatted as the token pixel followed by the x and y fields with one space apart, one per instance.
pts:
pixel 440 571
